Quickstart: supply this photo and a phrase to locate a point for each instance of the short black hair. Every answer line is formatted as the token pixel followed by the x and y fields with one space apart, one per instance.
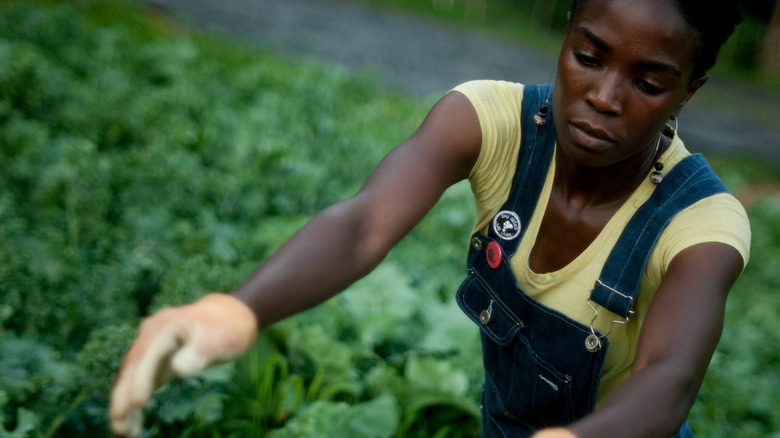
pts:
pixel 714 22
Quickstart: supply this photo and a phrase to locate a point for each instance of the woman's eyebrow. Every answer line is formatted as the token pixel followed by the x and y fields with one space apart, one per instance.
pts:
pixel 660 67
pixel 644 65
pixel 600 43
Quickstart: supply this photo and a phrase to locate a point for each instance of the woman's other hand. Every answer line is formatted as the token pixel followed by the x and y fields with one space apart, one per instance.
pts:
pixel 557 432
pixel 178 342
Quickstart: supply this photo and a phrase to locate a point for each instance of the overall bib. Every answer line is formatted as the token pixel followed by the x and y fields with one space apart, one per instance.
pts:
pixel 542 368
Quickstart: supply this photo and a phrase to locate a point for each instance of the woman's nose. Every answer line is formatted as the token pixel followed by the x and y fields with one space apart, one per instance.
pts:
pixel 605 94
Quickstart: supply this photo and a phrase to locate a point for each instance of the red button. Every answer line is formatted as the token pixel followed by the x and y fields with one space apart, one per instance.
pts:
pixel 493 254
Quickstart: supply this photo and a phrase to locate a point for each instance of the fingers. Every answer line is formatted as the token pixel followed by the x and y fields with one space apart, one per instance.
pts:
pixel 153 368
pixel 123 415
pixel 135 422
pixel 130 426
pixel 178 342
pixel 556 432
pixel 125 421
pixel 188 360
pixel 146 366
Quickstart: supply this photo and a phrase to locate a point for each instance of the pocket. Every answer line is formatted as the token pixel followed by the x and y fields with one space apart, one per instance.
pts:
pixel 486 310
pixel 523 390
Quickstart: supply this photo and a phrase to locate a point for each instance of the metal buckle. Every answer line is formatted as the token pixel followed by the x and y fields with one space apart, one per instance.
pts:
pixel 593 341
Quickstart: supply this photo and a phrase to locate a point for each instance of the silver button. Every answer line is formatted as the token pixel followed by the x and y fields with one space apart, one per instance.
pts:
pixel 476 243
pixel 593 343
pixel 484 317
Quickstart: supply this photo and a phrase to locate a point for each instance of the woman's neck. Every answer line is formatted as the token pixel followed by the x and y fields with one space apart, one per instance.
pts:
pixel 607 186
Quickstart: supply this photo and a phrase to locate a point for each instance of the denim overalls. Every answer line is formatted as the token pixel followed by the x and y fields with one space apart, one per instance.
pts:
pixel 541 367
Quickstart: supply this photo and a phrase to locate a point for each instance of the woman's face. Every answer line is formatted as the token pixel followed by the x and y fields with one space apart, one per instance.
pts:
pixel 625 67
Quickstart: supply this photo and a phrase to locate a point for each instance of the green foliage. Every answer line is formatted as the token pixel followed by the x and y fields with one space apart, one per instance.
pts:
pixel 27 422
pixel 142 167
pixel 31 378
pixel 740 395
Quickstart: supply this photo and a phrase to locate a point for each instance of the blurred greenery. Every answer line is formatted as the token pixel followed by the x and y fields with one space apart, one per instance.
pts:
pixel 143 164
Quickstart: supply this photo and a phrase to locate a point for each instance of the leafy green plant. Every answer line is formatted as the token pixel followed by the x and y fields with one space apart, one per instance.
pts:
pixel 739 396
pixel 143 166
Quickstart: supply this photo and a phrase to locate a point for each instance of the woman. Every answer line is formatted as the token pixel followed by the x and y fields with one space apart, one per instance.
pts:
pixel 626 67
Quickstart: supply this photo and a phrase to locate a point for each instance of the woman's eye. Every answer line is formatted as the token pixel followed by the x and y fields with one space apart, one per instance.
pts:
pixel 587 60
pixel 648 87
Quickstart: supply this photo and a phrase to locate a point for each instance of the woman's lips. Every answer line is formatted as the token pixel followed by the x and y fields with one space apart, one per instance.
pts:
pixel 589 137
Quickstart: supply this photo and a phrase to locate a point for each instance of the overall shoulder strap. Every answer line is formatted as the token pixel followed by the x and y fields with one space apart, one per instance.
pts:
pixel 689 181
pixel 536 149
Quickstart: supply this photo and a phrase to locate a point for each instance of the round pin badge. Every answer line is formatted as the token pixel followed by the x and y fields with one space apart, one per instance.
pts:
pixel 506 224
pixel 493 254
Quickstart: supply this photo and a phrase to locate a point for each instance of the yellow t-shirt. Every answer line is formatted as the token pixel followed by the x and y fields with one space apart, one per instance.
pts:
pixel 720 218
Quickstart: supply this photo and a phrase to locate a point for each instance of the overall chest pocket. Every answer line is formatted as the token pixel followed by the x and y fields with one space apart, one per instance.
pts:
pixel 524 390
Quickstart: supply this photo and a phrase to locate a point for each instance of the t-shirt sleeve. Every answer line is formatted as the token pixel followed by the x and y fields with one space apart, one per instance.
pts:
pixel 720 218
pixel 498 105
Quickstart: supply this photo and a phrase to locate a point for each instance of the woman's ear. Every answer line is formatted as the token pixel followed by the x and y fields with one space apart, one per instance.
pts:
pixel 693 86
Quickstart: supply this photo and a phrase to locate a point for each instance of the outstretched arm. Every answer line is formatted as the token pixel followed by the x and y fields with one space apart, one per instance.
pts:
pixel 338 246
pixel 677 341
pixel 348 239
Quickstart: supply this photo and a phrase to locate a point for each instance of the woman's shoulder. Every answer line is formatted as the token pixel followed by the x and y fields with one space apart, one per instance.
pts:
pixel 485 89
pixel 719 218
pixel 498 104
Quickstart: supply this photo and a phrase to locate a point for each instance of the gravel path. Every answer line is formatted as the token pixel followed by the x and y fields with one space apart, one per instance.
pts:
pixel 425 58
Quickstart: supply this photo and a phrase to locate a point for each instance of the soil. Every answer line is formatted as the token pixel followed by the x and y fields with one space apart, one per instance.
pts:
pixel 426 58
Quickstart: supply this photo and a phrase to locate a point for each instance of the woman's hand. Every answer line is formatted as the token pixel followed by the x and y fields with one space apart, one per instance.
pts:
pixel 557 432
pixel 178 342
pixel 340 245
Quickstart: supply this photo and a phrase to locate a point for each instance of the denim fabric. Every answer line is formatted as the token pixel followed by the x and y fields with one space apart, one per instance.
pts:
pixel 538 372
pixel 690 180
pixel 538 369
pixel 537 146
pixel 684 432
